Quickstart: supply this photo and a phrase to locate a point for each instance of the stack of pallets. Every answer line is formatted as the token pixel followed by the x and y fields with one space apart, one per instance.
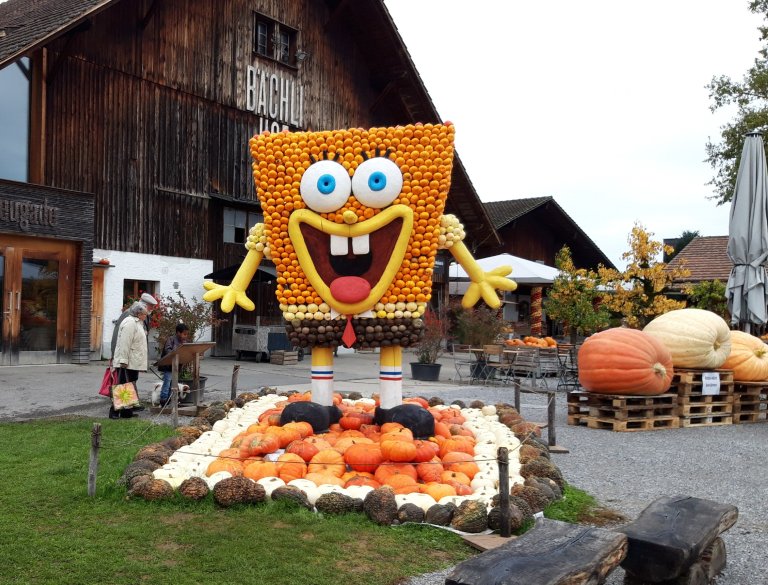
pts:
pixel 750 402
pixel 697 409
pixel 623 413
pixel 283 358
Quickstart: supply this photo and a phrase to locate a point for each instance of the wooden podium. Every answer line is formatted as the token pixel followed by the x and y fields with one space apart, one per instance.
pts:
pixel 188 353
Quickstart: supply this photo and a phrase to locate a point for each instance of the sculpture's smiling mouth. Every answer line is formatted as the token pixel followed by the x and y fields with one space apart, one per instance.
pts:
pixel 351 266
pixel 365 256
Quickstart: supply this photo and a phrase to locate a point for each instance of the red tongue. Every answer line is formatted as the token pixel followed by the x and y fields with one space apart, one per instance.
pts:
pixel 350 289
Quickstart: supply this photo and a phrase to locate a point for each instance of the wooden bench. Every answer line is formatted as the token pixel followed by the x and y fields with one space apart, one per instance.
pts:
pixel 551 553
pixel 676 540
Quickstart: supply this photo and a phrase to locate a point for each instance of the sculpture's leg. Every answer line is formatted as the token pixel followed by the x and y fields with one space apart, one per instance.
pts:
pixel 391 376
pixel 322 375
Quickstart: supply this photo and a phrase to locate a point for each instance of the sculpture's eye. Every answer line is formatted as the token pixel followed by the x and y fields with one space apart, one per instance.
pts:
pixel 325 186
pixel 377 182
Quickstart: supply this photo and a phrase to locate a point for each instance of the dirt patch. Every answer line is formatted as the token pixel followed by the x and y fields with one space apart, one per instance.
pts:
pixel 603 517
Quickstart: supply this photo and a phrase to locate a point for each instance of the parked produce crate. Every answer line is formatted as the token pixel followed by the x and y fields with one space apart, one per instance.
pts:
pixel 623 413
pixel 282 358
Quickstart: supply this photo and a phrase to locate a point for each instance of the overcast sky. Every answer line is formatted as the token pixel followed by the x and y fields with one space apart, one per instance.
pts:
pixel 600 104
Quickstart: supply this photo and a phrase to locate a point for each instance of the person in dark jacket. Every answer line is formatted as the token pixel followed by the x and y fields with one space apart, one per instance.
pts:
pixel 173 342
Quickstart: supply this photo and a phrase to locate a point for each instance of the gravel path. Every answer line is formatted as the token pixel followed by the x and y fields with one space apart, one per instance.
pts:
pixel 627 471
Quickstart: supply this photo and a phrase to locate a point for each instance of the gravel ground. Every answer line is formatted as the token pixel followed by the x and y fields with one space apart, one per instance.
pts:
pixel 627 471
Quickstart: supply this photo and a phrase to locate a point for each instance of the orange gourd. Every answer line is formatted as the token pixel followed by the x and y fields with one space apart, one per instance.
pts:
pixel 328 461
pixel 290 466
pixel 625 361
pixel 748 358
pixel 260 469
pixel 363 457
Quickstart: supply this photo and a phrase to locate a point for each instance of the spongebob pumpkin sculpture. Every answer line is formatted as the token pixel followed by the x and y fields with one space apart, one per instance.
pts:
pixel 353 220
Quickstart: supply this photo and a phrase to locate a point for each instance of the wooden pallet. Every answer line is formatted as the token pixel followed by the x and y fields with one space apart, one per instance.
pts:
pixel 750 417
pixel 713 420
pixel 686 382
pixel 705 409
pixel 634 424
pixel 578 408
pixel 283 358
pixel 622 413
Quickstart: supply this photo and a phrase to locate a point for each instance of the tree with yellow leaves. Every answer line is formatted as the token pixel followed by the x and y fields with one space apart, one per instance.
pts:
pixel 637 293
pixel 575 298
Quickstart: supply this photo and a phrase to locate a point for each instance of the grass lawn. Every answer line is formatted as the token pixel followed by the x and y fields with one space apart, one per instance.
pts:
pixel 52 532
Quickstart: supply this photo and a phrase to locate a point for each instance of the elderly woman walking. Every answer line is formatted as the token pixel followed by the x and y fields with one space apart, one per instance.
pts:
pixel 131 351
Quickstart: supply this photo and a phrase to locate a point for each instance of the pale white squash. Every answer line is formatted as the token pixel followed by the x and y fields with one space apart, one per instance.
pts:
pixel 695 338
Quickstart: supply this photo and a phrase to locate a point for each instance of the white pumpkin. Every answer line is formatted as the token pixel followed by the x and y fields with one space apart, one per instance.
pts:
pixel 270 484
pixel 423 501
pixel 696 338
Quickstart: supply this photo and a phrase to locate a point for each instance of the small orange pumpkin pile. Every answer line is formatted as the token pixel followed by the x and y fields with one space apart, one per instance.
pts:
pixel 356 452
pixel 531 342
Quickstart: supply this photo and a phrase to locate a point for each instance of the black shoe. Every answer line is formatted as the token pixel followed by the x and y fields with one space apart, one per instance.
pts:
pixel 113 415
pixel 139 408
pixel 127 414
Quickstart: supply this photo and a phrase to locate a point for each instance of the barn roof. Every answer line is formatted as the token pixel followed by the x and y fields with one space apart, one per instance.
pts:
pixel 706 258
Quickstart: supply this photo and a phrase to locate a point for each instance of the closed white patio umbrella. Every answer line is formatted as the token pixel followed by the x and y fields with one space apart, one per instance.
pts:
pixel 746 292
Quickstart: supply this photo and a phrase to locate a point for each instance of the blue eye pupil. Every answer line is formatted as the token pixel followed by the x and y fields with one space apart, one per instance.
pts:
pixel 326 184
pixel 377 181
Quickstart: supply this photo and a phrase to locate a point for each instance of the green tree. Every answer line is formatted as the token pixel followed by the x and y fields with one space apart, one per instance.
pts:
pixel 750 96
pixel 685 238
pixel 637 293
pixel 710 296
pixel 575 298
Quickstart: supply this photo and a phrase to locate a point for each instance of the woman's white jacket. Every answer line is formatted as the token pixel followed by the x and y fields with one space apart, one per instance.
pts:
pixel 131 348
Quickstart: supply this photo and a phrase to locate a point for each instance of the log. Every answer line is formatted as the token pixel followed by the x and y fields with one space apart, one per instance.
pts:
pixel 671 534
pixel 714 558
pixel 551 553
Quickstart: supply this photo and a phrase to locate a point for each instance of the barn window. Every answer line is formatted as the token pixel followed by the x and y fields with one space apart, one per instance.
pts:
pixel 237 223
pixel 274 40
pixel 14 120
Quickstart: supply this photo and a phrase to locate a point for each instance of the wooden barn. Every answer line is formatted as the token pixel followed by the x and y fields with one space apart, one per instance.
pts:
pixel 124 163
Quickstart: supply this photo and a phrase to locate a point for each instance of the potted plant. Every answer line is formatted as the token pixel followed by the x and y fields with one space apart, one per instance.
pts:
pixel 197 315
pixel 478 327
pixel 431 346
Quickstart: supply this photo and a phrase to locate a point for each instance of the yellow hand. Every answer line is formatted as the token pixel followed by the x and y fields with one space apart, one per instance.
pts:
pixel 234 294
pixel 484 284
pixel 229 297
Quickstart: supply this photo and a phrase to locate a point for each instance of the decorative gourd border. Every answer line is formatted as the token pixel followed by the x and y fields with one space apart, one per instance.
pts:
pixel 184 464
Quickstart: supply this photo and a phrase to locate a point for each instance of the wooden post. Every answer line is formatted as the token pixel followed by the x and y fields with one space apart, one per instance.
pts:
pixel 175 392
pixel 506 522
pixel 551 435
pixel 93 462
pixel 235 372
pixel 197 381
pixel 516 384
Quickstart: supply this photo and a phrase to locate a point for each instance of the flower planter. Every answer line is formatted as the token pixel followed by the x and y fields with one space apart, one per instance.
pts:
pixel 425 372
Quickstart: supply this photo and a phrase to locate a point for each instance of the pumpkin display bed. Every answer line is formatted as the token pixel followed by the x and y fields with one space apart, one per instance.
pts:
pixel 379 469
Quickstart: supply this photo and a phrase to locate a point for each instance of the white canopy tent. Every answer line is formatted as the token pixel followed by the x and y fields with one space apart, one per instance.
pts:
pixel 523 272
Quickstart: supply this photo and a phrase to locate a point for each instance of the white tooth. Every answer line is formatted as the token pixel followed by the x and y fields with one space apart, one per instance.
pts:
pixel 339 246
pixel 360 245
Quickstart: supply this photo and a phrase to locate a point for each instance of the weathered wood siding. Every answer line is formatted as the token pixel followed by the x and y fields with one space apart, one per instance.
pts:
pixel 163 123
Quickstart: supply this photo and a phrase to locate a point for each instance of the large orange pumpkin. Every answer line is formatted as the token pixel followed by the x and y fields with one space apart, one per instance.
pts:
pixel 748 358
pixel 625 361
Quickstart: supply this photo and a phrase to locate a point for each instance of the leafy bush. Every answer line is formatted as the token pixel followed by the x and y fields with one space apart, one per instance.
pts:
pixel 172 310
